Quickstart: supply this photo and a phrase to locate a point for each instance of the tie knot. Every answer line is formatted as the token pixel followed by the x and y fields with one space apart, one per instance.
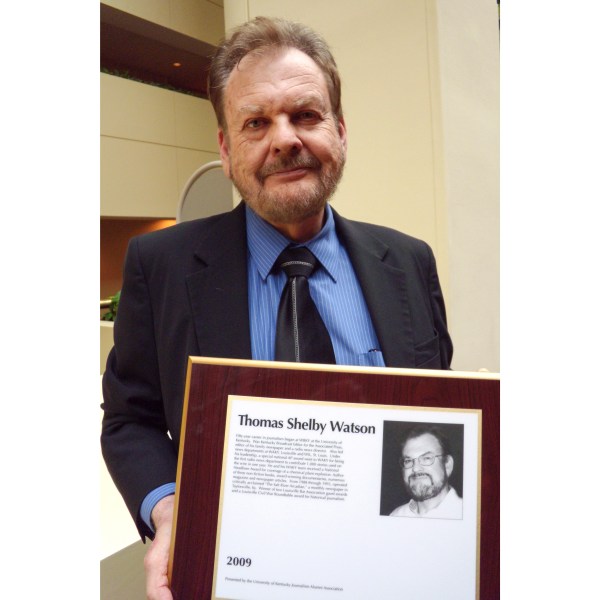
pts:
pixel 297 262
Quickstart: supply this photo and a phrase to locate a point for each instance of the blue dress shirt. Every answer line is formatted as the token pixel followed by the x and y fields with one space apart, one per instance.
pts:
pixel 333 287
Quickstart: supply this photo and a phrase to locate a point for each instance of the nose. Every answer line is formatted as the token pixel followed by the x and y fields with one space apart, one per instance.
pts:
pixel 285 138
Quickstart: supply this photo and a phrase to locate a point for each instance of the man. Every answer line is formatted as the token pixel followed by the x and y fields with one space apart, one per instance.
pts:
pixel 209 287
pixel 427 464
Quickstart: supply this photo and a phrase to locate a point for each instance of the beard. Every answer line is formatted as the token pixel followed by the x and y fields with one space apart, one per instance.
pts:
pixel 296 201
pixel 422 487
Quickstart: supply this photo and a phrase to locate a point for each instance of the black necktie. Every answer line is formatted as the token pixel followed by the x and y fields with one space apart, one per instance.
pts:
pixel 301 334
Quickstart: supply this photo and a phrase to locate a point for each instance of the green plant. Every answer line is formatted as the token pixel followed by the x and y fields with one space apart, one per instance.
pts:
pixel 111 313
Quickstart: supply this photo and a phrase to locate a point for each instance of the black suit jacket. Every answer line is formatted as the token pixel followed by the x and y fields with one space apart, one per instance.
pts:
pixel 185 294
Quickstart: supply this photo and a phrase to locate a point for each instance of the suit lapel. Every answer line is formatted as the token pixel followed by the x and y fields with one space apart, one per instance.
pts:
pixel 218 291
pixel 385 290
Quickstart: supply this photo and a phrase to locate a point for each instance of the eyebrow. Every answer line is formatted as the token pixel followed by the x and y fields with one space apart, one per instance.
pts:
pixel 303 102
pixel 422 454
pixel 253 109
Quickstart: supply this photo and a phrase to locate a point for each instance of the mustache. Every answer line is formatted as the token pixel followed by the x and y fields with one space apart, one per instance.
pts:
pixel 414 476
pixel 287 163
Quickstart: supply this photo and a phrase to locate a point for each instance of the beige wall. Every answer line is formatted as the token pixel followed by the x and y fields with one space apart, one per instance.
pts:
pixel 469 82
pixel 151 141
pixel 420 95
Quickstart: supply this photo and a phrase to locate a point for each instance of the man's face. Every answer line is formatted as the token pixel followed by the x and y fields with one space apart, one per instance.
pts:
pixel 283 149
pixel 424 482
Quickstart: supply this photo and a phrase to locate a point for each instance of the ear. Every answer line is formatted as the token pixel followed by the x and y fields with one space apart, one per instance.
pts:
pixel 224 152
pixel 449 465
pixel 342 133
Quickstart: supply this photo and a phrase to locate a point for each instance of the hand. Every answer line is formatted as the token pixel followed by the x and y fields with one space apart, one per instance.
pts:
pixel 157 557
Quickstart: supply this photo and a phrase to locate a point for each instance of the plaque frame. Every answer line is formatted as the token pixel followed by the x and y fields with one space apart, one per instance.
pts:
pixel 211 381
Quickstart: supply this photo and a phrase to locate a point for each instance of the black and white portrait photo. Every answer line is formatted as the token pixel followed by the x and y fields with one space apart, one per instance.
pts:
pixel 422 470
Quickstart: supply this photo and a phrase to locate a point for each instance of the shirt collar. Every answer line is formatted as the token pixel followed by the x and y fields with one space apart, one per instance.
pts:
pixel 265 243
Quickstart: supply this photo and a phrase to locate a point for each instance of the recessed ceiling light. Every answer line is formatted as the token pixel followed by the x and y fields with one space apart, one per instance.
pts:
pixel 176 64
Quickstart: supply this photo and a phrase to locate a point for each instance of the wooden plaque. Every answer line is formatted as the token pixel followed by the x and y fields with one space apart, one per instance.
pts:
pixel 210 382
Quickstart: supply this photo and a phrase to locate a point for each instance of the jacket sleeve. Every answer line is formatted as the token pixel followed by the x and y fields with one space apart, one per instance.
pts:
pixel 136 445
pixel 438 309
